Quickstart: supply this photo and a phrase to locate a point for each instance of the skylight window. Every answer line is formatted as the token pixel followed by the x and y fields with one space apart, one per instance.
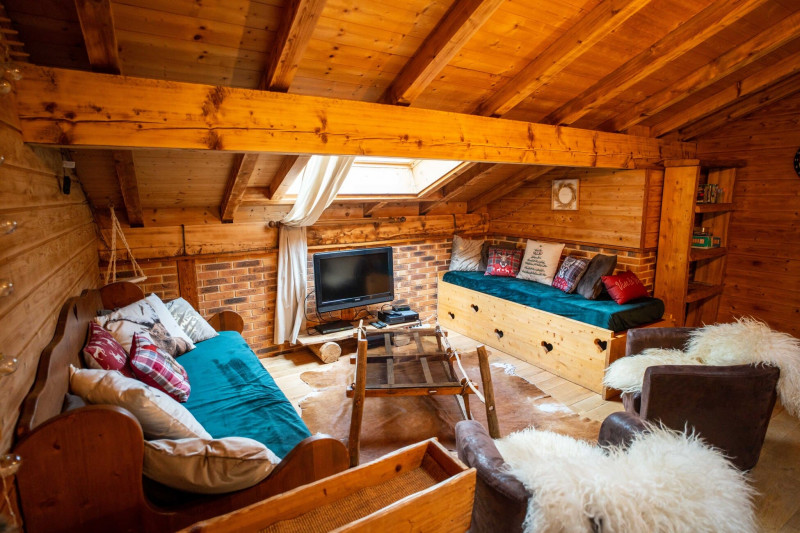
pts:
pixel 386 176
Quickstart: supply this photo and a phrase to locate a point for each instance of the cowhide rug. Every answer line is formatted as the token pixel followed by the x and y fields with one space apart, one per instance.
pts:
pixel 393 422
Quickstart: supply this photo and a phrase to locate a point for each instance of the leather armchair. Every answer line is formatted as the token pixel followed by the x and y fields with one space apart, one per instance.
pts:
pixel 501 501
pixel 729 406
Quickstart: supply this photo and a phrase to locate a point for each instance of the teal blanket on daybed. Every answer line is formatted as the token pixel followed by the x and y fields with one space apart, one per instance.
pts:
pixel 233 395
pixel 606 313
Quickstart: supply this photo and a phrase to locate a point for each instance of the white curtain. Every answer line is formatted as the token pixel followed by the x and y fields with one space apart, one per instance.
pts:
pixel 321 180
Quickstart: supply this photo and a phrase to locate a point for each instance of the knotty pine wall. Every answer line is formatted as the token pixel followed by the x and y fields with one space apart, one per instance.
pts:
pixel 51 256
pixel 763 263
pixel 246 281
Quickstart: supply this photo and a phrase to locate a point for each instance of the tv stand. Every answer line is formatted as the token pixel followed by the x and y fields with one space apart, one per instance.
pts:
pixel 333 327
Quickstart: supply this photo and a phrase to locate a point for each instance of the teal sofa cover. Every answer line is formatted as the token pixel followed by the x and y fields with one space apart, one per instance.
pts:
pixel 233 395
pixel 606 313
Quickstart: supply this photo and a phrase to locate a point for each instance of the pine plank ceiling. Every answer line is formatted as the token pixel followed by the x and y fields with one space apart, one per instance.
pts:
pixel 672 69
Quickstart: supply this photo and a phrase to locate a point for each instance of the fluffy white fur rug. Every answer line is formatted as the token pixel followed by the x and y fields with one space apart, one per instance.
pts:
pixel 666 481
pixel 742 342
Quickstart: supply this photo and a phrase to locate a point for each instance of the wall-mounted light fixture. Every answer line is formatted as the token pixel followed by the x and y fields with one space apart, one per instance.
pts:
pixel 7 226
pixel 6 287
pixel 10 71
pixel 8 364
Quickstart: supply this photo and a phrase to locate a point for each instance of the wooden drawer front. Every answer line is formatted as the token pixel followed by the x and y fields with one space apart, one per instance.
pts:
pixel 570 349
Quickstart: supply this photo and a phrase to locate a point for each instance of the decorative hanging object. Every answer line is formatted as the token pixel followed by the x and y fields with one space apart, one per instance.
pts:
pixel 111 271
pixel 10 70
pixel 9 465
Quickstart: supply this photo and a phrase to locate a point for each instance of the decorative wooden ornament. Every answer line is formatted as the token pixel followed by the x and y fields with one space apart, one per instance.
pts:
pixel 565 195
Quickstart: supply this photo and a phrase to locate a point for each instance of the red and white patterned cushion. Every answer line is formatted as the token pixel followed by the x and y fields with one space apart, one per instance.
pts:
pixel 158 369
pixel 503 262
pixel 103 352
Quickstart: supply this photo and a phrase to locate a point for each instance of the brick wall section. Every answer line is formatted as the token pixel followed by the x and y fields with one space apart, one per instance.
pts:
pixel 416 267
pixel 643 264
pixel 162 277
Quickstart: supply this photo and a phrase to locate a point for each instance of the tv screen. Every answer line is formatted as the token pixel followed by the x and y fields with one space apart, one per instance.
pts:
pixel 353 278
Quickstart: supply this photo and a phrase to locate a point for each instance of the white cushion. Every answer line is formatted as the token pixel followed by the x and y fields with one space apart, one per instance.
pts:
pixel 160 416
pixel 168 320
pixel 140 317
pixel 540 261
pixel 190 320
pixel 467 255
pixel 208 466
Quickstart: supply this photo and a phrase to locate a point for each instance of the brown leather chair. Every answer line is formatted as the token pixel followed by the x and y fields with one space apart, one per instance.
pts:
pixel 729 406
pixel 501 501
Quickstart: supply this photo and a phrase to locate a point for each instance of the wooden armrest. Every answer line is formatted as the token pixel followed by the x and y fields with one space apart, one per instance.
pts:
pixel 227 321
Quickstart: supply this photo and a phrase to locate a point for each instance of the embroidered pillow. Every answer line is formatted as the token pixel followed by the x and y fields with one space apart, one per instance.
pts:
pixel 540 262
pixel 190 320
pixel 503 262
pixel 161 417
pixel 183 341
pixel 103 352
pixel 570 273
pixel 208 466
pixel 467 255
pixel 140 317
pixel 158 369
pixel 625 287
pixel 591 285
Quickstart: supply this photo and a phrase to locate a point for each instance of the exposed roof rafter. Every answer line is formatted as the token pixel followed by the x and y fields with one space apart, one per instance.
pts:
pixel 459 24
pixel 241 172
pixel 291 167
pixel 597 24
pixel 709 22
pixel 129 186
pixel 97 25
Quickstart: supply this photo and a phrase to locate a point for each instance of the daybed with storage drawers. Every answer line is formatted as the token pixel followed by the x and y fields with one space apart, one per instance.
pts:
pixel 82 467
pixel 565 334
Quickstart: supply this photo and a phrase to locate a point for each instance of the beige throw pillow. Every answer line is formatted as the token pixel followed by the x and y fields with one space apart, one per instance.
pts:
pixel 169 322
pixel 160 416
pixel 208 466
pixel 467 255
pixel 540 261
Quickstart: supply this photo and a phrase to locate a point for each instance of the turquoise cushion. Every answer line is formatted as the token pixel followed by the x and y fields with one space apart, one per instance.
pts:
pixel 606 314
pixel 233 395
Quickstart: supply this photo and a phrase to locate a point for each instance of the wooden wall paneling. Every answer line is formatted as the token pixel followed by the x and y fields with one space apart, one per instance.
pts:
pixel 508 186
pixel 229 238
pixel 294 33
pixel 195 116
pixel 731 61
pixel 187 282
pixel 146 243
pixel 458 25
pixel 742 97
pixel 709 22
pixel 675 237
pixel 604 19
pixel 652 210
pixel 241 173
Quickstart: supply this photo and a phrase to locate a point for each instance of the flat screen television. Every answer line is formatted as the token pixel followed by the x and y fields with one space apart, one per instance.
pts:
pixel 352 278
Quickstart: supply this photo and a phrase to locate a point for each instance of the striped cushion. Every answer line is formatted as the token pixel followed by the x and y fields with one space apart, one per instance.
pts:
pixel 158 369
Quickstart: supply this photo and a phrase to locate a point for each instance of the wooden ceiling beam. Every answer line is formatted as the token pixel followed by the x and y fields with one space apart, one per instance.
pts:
pixel 459 24
pixel 510 185
pixel 728 63
pixel 241 172
pixel 126 175
pixel 291 167
pixel 735 92
pixel 370 208
pixel 458 185
pixel 299 19
pixel 97 110
pixel 704 25
pixel 742 107
pixel 97 25
pixel 596 25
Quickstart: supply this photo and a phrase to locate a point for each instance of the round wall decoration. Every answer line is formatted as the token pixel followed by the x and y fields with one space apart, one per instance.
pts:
pixel 565 195
pixel 797 162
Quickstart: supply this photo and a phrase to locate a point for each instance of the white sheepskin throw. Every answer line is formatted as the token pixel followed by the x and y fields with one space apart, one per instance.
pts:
pixel 746 341
pixel 666 481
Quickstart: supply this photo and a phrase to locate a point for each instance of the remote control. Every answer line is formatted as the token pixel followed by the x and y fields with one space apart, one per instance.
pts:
pixel 378 324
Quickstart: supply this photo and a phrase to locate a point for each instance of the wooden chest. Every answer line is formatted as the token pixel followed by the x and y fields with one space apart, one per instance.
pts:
pixel 570 349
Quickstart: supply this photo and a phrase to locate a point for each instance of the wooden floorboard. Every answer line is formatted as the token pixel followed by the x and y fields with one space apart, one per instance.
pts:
pixel 776 477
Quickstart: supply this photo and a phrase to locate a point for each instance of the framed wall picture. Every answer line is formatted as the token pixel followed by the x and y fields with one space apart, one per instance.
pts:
pixel 565 195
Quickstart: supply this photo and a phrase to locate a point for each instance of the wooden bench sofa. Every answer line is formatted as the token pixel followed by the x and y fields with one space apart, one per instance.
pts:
pixel 574 350
pixel 82 468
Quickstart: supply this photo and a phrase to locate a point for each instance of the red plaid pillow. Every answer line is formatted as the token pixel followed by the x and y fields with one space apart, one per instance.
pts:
pixel 158 369
pixel 625 287
pixel 103 352
pixel 503 262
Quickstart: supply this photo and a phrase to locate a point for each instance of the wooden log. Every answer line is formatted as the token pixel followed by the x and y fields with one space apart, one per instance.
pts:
pixel 328 352
pixel 94 110
pixel 488 392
